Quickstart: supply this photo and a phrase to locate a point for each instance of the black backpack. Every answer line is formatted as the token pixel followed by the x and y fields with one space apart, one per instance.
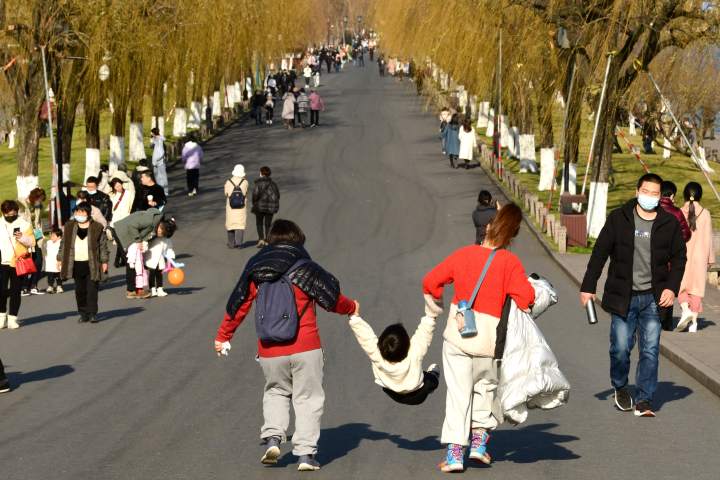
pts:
pixel 237 197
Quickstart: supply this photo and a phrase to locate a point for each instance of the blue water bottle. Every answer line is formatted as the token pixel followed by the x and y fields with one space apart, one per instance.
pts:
pixel 469 328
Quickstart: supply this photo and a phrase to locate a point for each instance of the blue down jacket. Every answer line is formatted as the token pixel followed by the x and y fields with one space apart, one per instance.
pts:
pixel 529 372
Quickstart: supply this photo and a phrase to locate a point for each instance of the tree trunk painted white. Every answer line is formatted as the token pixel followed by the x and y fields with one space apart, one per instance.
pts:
pixel 180 122
pixel 445 81
pixel 216 108
pixel 597 207
pixel 526 152
pixel 462 98
pixel 631 125
pixel 195 115
pixel 237 93
pixel 666 150
pixel 248 85
pixel 136 147
pixel 117 153
pixel 435 73
pixel 158 122
pixel 92 162
pixel 11 138
pixel 490 130
pixel 66 172
pixel 560 99
pixel 25 185
pixel 573 180
pixel 702 160
pixel 547 169
pixel 483 113
pixel 505 137
pixel 473 104
pixel 515 141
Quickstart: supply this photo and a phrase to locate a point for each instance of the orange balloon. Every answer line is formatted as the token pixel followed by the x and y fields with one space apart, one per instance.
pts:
pixel 176 276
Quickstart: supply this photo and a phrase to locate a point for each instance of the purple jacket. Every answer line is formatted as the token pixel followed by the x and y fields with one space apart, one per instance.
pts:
pixel 670 208
pixel 192 155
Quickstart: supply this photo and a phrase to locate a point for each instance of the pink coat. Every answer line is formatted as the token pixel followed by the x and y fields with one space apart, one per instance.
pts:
pixel 700 253
pixel 316 103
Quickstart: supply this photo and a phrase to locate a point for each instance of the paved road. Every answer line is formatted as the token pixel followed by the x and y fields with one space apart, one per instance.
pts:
pixel 141 396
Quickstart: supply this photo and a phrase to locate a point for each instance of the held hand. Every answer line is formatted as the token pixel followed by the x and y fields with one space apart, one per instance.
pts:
pixel 586 297
pixel 356 313
pixel 104 267
pixel 667 298
pixel 17 235
pixel 152 203
pixel 59 266
pixel 218 347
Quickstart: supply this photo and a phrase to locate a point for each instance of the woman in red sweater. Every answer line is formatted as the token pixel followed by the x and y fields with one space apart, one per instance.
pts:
pixel 470 369
pixel 293 370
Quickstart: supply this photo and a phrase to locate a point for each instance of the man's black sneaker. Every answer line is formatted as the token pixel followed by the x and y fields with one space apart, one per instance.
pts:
pixel 4 386
pixel 643 409
pixel 623 400
pixel 93 318
pixel 83 318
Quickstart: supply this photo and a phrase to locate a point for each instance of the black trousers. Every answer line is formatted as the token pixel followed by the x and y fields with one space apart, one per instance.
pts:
pixel 31 281
pixel 155 277
pixel 54 279
pixel 263 222
pixel 9 290
pixel 430 384
pixel 86 290
pixel 314 117
pixel 3 378
pixel 193 179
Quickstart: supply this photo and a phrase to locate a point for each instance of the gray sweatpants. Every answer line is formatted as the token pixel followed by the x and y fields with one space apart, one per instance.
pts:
pixel 297 378
pixel 471 402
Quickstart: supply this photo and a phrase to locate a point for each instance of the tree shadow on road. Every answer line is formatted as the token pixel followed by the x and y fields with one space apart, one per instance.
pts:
pixel 531 444
pixel 17 379
pixel 339 441
pixel 666 392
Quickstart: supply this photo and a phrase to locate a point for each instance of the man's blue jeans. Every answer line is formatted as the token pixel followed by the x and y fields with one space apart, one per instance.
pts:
pixel 643 320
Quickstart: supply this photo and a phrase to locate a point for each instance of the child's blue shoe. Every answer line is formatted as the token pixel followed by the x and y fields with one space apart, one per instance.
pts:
pixel 478 447
pixel 453 459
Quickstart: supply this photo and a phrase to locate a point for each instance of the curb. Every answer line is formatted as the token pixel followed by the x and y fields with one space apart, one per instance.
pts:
pixel 694 367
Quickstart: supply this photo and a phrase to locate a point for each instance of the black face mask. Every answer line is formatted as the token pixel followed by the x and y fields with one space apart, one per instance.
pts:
pixel 10 218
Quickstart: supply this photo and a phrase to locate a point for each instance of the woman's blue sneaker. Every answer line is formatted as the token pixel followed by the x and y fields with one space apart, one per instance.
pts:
pixel 453 459
pixel 478 447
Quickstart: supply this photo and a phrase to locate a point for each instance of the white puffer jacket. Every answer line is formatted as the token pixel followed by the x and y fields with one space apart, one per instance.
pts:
pixel 529 374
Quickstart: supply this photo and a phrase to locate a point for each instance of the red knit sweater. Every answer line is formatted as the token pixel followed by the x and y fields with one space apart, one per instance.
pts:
pixel 308 337
pixel 463 267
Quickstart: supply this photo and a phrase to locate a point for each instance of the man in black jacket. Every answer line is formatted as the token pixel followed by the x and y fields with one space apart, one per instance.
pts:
pixel 265 203
pixel 99 199
pixel 647 261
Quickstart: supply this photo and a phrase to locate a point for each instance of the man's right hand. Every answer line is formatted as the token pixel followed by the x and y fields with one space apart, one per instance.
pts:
pixel 586 297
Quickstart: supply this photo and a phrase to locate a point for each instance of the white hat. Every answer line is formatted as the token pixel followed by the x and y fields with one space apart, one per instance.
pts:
pixel 238 171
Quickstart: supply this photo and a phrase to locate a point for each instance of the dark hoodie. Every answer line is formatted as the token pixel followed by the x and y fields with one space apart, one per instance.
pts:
pixel 482 216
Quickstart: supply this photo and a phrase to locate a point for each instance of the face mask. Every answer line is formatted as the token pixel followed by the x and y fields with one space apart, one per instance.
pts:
pixel 81 218
pixel 647 202
pixel 91 192
pixel 10 218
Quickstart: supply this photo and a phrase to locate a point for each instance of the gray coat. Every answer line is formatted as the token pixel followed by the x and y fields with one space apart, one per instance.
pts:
pixel 137 227
pixel 98 251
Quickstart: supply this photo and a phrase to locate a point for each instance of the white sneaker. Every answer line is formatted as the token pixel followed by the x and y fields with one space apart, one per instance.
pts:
pixel 3 320
pixel 693 323
pixel 160 292
pixel 153 292
pixel 35 291
pixel 12 322
pixel 59 289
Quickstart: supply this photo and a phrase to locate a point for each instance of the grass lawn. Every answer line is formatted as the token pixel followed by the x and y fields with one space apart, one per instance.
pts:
pixel 627 170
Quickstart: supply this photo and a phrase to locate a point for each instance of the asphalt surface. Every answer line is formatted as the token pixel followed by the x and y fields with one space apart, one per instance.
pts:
pixel 141 395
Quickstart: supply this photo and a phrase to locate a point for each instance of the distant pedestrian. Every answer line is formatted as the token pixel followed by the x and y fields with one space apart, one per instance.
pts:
pixel 33 214
pixel 307 75
pixel 468 143
pixel 84 257
pixel 700 255
pixel 317 105
pixel 257 103
pixel 292 360
pixel 158 160
pixel 265 203
pixel 236 188
pixel 483 215
pixel 192 156
pixel 16 240
pixel 445 117
pixel 647 260
pixel 451 140
pixel 52 247
pixel 153 194
pixel 303 105
pixel 288 110
pixel 269 108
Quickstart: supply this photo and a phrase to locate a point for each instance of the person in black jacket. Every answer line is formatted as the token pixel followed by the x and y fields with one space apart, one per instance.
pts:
pixel 483 215
pixel 647 261
pixel 4 382
pixel 258 101
pixel 265 203
pixel 99 199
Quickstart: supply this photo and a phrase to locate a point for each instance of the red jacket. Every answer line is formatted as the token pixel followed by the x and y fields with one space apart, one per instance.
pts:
pixel 670 208
pixel 308 337
pixel 462 268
